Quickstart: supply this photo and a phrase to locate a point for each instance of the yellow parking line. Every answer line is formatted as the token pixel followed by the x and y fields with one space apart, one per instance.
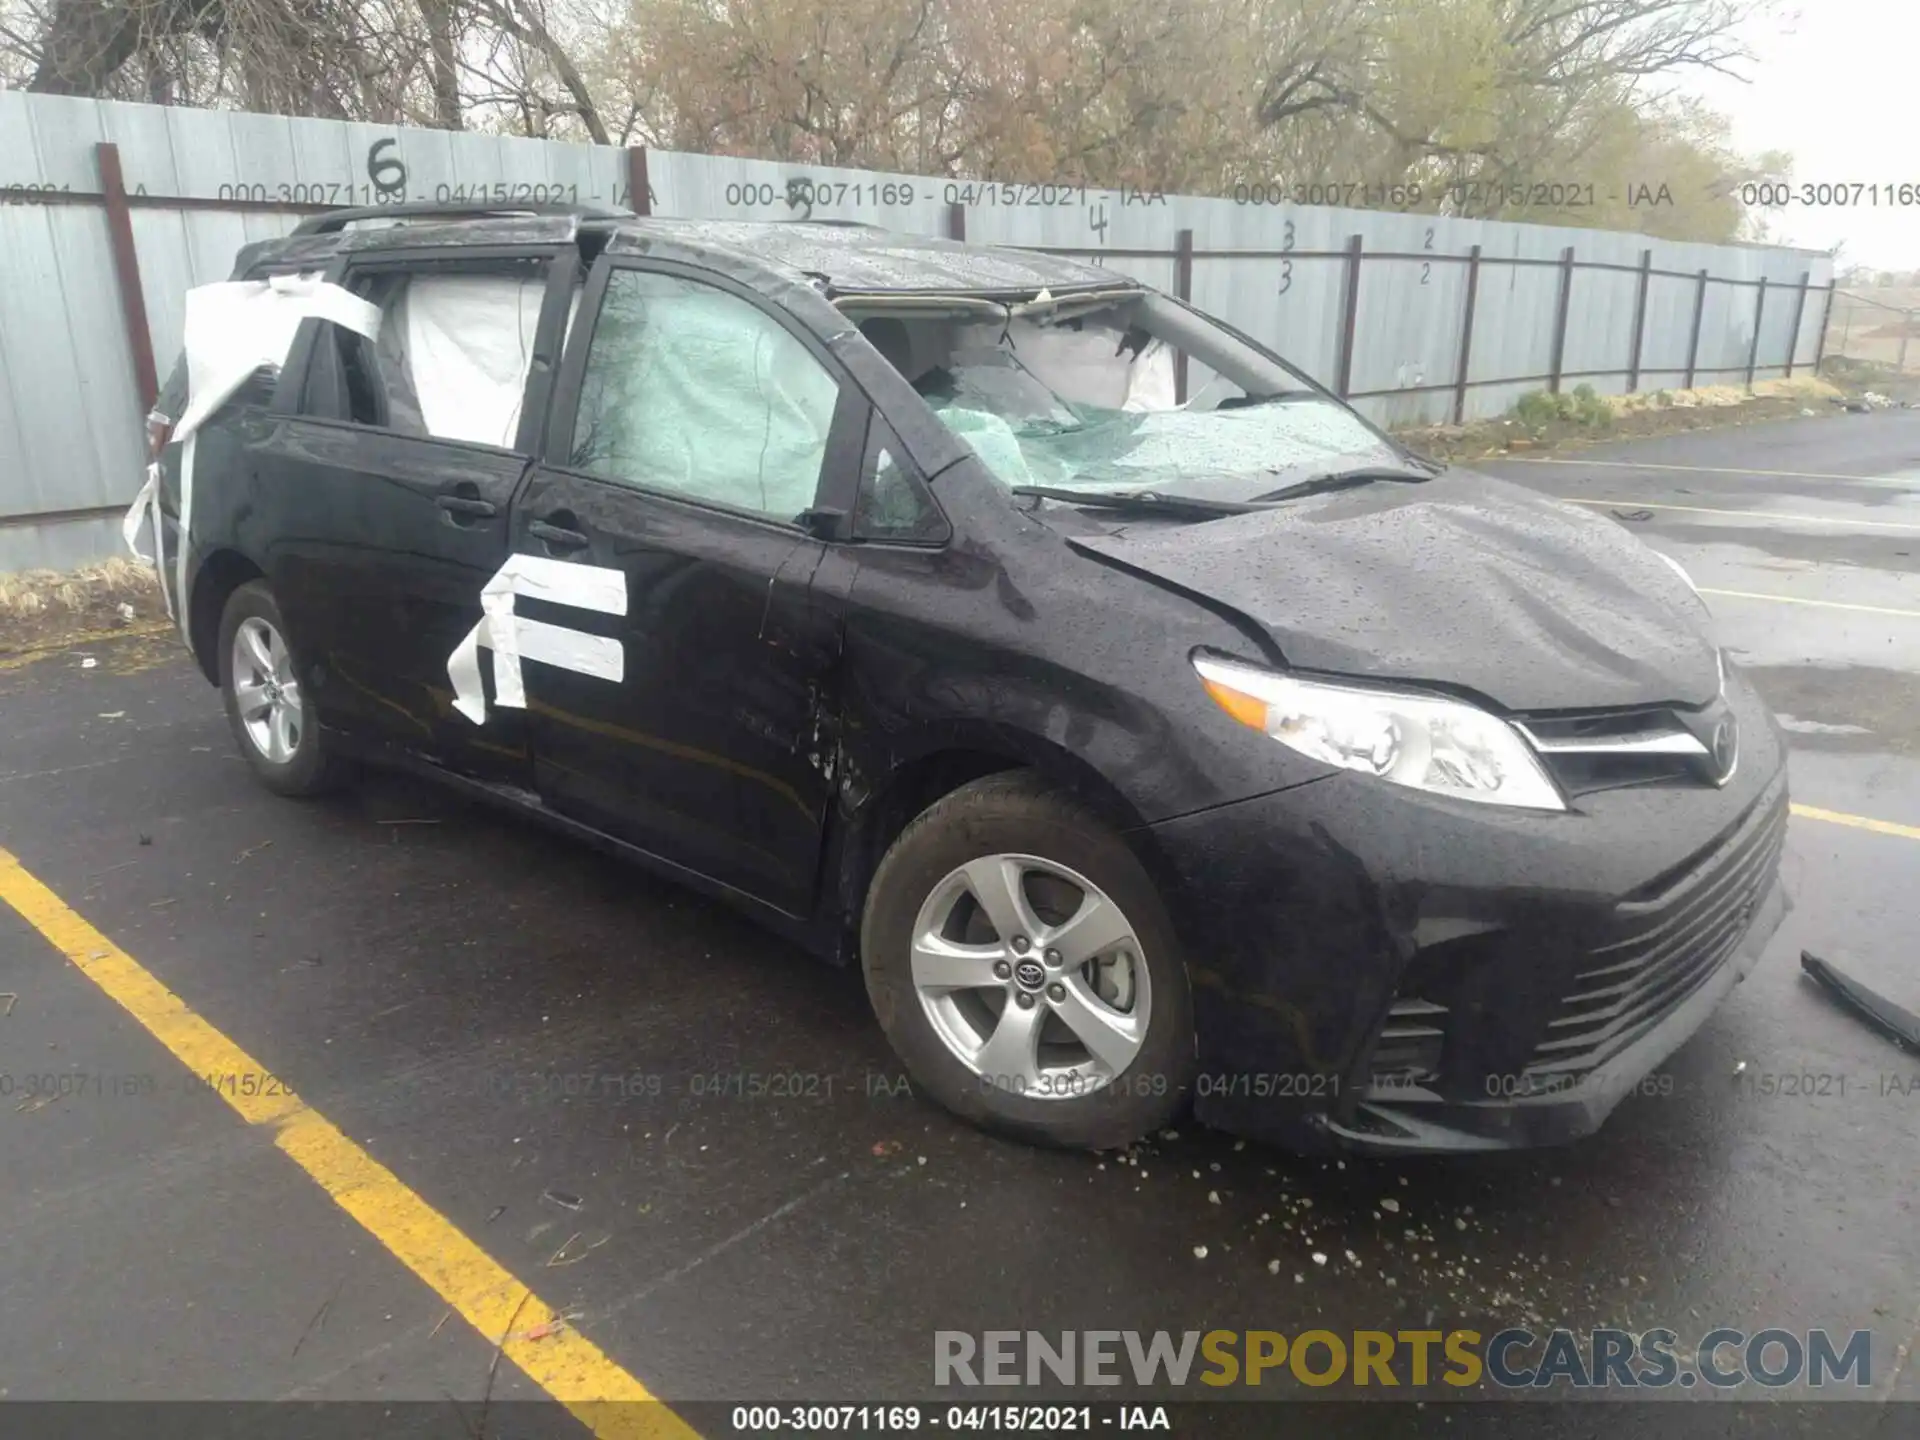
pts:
pixel 1858 822
pixel 1750 514
pixel 562 1362
pixel 1802 600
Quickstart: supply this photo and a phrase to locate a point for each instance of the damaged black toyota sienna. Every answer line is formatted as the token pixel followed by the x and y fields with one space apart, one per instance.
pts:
pixel 1154 731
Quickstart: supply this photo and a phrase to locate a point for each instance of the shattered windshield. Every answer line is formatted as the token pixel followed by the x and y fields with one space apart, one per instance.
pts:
pixel 1121 449
pixel 1090 401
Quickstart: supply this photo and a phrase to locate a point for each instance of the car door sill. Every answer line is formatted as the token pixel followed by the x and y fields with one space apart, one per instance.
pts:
pixel 524 802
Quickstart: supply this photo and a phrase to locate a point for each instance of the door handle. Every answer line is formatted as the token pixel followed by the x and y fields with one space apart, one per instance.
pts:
pixel 467 505
pixel 558 537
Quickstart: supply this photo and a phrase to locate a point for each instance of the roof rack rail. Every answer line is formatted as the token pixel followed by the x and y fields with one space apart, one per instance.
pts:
pixel 336 220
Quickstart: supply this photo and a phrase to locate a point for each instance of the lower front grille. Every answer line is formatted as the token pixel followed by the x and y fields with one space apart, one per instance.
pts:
pixel 1411 1044
pixel 1667 945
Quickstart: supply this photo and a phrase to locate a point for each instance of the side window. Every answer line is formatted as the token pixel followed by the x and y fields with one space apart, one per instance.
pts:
pixel 894 503
pixel 451 359
pixel 691 389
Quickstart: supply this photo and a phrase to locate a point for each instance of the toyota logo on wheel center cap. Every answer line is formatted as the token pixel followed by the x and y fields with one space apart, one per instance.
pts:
pixel 1030 975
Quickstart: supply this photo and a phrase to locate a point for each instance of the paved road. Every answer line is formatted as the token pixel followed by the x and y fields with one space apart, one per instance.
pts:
pixel 545 1049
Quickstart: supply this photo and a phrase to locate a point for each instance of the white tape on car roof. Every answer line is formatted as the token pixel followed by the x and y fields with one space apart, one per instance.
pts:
pixel 514 638
pixel 232 329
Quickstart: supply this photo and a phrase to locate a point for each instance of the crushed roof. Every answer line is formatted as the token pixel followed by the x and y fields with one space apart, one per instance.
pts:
pixel 849 259
pixel 857 259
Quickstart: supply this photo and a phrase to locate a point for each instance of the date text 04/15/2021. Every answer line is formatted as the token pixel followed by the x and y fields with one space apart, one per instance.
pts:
pixel 816 1419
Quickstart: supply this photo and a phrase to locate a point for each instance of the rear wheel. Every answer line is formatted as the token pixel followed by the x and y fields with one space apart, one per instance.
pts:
pixel 267 706
pixel 1021 961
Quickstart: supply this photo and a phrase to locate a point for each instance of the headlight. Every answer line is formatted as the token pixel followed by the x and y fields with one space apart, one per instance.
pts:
pixel 1441 746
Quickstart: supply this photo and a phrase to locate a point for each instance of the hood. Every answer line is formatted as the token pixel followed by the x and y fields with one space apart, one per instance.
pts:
pixel 1462 581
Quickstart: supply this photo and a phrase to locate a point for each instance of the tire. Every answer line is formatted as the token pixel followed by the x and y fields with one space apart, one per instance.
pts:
pixel 929 967
pixel 288 755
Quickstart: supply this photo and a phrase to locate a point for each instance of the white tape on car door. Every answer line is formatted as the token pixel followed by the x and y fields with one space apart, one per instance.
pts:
pixel 232 329
pixel 144 513
pixel 514 638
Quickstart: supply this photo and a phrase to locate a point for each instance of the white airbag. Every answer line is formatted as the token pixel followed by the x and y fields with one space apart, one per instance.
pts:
pixel 468 346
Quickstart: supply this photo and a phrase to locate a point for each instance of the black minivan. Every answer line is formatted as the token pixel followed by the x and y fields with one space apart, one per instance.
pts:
pixel 1154 731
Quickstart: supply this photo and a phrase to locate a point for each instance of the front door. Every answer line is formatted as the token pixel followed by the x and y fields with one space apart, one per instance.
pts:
pixel 679 681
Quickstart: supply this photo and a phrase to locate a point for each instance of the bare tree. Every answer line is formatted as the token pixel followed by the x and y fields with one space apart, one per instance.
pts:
pixel 526 22
pixel 373 59
pixel 1469 99
pixel 1494 92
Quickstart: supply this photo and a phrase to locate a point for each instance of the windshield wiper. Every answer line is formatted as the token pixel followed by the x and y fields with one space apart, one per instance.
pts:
pixel 1140 500
pixel 1344 480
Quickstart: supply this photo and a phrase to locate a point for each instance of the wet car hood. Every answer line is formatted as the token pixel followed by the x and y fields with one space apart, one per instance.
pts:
pixel 1462 580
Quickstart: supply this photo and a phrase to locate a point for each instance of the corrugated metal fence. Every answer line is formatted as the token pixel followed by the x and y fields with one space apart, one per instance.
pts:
pixel 109 212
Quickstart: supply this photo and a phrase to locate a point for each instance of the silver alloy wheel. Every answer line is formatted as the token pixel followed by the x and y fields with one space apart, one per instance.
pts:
pixel 1032 976
pixel 265 691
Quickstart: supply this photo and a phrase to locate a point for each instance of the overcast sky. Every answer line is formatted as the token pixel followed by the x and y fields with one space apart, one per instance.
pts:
pixel 1835 83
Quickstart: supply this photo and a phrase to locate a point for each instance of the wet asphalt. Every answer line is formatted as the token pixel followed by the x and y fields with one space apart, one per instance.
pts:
pixel 555 1052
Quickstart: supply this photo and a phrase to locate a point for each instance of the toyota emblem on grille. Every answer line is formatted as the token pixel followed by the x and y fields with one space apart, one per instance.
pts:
pixel 1726 746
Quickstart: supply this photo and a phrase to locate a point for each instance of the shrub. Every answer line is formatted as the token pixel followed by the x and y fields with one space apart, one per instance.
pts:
pixel 1590 408
pixel 1537 407
pixel 1584 407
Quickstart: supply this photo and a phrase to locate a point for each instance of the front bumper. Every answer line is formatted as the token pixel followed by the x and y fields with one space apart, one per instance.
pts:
pixel 1398 1119
pixel 1380 970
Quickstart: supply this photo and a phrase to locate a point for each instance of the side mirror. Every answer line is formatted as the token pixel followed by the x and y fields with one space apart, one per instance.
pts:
pixel 824 522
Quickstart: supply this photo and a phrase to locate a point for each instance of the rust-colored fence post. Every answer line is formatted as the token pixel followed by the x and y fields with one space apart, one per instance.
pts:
pixel 126 268
pixel 1182 289
pixel 1560 320
pixel 639 187
pixel 1640 320
pixel 1466 338
pixel 1351 319
pixel 1753 346
pixel 1693 342
pixel 956 221
pixel 1799 314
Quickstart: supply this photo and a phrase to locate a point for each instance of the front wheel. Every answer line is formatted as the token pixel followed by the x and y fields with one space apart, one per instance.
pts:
pixel 1020 960
pixel 267 706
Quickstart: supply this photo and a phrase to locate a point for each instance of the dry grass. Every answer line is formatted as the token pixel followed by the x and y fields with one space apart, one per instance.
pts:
pixel 44 610
pixel 1643 414
pixel 1804 388
pixel 28 594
